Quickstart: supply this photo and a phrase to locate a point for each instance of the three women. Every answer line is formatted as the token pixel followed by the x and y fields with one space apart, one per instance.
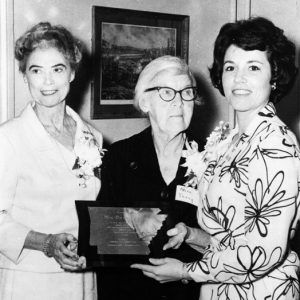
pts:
pixel 249 190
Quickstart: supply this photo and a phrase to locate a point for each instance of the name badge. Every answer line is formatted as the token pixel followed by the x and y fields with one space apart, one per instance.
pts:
pixel 187 194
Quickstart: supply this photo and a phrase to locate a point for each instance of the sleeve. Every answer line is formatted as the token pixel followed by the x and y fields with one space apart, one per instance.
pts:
pixel 112 175
pixel 270 196
pixel 12 233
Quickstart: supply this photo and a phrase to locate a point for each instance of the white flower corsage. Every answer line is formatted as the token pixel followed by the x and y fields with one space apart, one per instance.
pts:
pixel 197 162
pixel 215 139
pixel 194 162
pixel 88 157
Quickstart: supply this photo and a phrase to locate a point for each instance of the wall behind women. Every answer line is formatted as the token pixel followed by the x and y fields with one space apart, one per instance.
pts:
pixel 286 15
pixel 206 18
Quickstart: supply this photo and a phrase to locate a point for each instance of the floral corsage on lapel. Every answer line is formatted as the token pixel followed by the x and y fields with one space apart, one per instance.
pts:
pixel 89 157
pixel 198 163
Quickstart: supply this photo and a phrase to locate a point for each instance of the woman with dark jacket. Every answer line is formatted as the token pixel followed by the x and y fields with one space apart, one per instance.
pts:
pixel 148 167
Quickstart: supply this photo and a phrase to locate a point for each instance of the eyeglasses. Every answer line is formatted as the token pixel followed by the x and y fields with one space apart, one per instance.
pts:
pixel 168 94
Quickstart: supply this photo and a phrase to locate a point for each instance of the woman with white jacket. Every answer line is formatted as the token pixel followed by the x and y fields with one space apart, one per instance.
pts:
pixel 49 157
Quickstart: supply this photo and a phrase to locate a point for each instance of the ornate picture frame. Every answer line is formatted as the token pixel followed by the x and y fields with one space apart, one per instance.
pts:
pixel 123 42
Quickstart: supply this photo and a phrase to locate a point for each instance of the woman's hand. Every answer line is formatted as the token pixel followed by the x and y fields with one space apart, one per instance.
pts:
pixel 63 248
pixel 178 235
pixel 196 238
pixel 163 269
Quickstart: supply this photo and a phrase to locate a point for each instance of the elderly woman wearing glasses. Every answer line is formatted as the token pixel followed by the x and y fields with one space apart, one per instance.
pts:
pixel 148 167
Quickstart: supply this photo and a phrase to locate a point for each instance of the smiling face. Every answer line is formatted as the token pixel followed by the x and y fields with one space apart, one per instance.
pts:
pixel 169 118
pixel 246 79
pixel 48 75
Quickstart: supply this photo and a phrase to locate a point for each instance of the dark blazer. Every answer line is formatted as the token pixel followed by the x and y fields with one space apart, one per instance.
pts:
pixel 131 174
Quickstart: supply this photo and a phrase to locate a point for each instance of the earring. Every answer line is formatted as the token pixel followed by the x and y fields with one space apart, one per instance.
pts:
pixel 273 86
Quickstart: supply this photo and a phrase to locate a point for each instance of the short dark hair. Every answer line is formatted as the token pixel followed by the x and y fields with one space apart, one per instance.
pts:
pixel 257 34
pixel 44 35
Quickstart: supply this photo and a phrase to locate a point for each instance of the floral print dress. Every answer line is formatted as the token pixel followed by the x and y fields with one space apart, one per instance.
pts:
pixel 249 200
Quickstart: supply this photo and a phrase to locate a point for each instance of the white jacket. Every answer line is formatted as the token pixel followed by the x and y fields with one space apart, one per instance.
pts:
pixel 37 189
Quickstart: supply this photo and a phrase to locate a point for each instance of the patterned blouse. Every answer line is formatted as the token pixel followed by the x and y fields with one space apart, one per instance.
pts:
pixel 249 200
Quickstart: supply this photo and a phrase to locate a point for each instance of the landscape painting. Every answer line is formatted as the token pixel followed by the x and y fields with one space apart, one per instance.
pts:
pixel 125 50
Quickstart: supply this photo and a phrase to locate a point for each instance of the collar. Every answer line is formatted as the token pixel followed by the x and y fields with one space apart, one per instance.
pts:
pixel 259 122
pixel 37 134
pixel 81 128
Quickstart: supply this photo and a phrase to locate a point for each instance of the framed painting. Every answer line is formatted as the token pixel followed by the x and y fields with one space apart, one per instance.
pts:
pixel 123 42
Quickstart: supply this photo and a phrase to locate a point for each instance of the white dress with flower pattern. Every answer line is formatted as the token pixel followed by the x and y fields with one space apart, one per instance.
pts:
pixel 249 200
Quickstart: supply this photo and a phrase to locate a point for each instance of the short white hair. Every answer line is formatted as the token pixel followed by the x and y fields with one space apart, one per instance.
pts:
pixel 153 68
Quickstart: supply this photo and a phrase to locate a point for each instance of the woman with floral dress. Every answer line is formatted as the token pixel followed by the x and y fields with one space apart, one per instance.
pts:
pixel 248 177
pixel 49 157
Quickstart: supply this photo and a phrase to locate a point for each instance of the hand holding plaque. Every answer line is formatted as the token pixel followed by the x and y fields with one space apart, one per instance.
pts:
pixel 177 235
